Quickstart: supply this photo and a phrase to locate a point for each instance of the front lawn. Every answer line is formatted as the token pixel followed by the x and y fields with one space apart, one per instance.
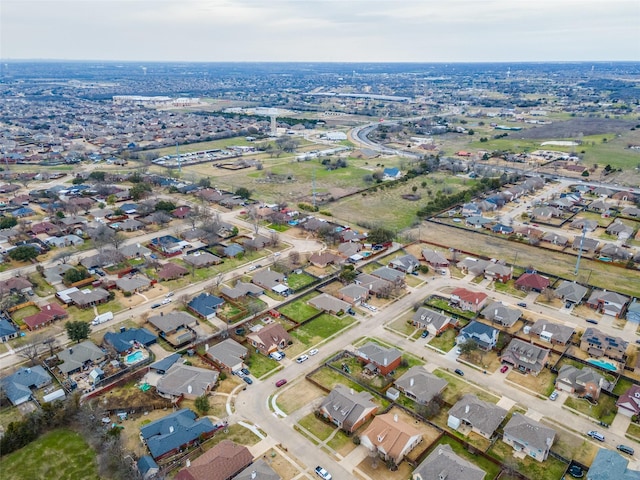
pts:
pixel 317 427
pixel 321 328
pixel 542 384
pixel 604 411
pixel 260 364
pixel 445 341
pixel 60 454
pixel 299 310
pixel 457 387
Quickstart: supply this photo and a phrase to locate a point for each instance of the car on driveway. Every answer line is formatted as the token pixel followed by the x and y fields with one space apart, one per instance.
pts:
pixel 302 358
pixel 248 380
pixel 425 334
pixel 245 371
pixel 553 396
pixel 322 473
pixel 504 369
pixel 313 351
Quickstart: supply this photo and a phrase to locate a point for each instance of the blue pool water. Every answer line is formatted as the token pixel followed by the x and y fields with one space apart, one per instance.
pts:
pixel 366 254
pixel 603 364
pixel 134 357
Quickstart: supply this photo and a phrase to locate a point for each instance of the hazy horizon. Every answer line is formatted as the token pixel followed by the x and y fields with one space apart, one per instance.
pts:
pixel 321 31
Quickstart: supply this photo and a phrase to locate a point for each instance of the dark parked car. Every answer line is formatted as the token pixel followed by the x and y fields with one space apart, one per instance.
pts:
pixel 591 320
pixel 625 449
pixel 281 382
pixel 459 372
pixel 245 371
pixel 248 380
pixel 425 334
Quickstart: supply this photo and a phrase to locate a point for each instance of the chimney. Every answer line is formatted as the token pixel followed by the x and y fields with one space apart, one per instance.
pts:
pixel 466 409
pixel 411 382
pixel 162 314
pixel 170 428
pixel 188 463
pixel 386 361
pixel 71 351
pixel 254 474
pixel 123 329
pixel 395 417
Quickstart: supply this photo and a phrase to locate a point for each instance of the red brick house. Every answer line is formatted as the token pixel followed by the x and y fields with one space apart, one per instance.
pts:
pixel 469 300
pixel 379 359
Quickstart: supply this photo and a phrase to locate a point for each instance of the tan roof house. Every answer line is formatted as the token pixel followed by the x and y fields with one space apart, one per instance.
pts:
pixel 269 338
pixel 391 438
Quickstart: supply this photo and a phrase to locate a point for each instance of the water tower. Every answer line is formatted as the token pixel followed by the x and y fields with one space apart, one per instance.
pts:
pixel 273 113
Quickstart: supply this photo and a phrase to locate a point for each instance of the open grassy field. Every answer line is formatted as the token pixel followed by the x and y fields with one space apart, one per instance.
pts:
pixel 320 328
pixel 387 208
pixel 598 274
pixel 60 454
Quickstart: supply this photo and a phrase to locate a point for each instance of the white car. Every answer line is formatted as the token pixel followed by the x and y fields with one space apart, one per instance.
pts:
pixel 322 473
pixel 313 352
pixel 166 301
pixel 302 358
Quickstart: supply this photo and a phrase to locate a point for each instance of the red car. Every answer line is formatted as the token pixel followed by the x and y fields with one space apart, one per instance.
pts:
pixel 504 369
pixel 281 382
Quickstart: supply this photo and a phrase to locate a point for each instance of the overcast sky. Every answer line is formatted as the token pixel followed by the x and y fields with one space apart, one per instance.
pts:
pixel 321 30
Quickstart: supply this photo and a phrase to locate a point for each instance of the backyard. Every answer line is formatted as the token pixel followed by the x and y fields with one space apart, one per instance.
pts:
pixel 61 454
pixel 299 310
pixel 550 469
pixel 317 330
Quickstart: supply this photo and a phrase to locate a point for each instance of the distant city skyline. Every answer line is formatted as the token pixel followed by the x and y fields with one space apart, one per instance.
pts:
pixel 321 30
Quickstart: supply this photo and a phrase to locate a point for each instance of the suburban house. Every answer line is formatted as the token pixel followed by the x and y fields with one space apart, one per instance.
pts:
pixel 378 359
pixel 271 280
pixel 222 462
pixel 420 385
pixel 571 292
pixel 434 259
pixel 444 464
pixel 553 333
pixel 324 259
pixel 525 357
pixel 167 435
pixel 484 335
pixel 391 438
pixel 585 382
pixel 258 470
pixel 49 313
pixel 585 244
pixel 329 303
pixel 469 300
pixel 78 356
pixel 609 303
pixel 18 386
pixel 233 250
pixel 133 285
pixel 498 272
pixel 186 381
pixel 347 409
pixel 229 355
pixel 374 285
pixel 532 282
pixel 174 327
pixel 611 465
pixel 391 173
pixel 405 263
pixel 171 271
pixel 433 322
pixel 599 344
pixel 161 366
pixel 7 330
pixel 471 413
pixel 147 467
pixel 241 289
pixel 629 402
pixel 84 298
pixel 205 305
pixel 501 314
pixel 17 285
pixel 396 277
pixel 528 436
pixel 353 294
pixel 127 339
pixel 201 259
pixel 555 239
pixel 269 338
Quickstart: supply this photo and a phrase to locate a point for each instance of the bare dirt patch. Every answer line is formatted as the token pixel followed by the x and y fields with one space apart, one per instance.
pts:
pixel 280 464
pixel 303 394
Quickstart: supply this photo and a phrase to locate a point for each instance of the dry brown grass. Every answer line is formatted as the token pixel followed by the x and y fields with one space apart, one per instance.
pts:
pixel 281 465
pixel 293 399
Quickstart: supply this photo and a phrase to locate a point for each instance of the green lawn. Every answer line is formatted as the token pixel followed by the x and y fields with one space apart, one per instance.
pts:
pixel 318 329
pixel 299 310
pixel 297 281
pixel 445 341
pixel 550 469
pixel 604 411
pixel 60 454
pixel 457 387
pixel 40 286
pixel 259 364
pixel 317 427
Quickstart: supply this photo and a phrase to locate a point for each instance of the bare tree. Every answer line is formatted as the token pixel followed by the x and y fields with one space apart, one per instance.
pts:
pixel 184 300
pixel 194 216
pixel 51 343
pixel 274 239
pixel 294 257
pixel 63 257
pixel 30 348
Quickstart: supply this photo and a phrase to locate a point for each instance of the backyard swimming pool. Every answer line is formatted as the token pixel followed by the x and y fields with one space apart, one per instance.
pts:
pixel 604 364
pixel 134 357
